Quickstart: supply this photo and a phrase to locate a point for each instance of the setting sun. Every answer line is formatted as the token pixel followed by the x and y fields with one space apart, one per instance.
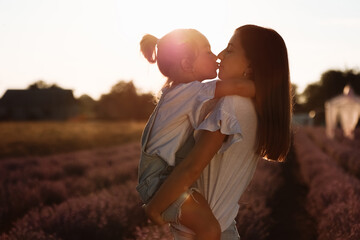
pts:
pixel 88 46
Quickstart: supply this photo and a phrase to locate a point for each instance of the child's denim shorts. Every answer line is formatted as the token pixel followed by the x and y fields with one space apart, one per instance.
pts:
pixel 173 213
pixel 153 171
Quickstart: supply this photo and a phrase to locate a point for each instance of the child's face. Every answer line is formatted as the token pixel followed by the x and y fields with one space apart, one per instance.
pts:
pixel 205 64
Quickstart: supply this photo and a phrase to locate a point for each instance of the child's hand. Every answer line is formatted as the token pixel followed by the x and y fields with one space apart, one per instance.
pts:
pixel 242 87
pixel 154 216
pixel 246 87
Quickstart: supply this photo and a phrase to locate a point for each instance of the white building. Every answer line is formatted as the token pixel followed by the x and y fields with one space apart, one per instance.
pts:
pixel 344 109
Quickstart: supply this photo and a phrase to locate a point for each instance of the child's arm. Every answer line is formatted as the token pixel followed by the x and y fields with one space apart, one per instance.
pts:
pixel 241 87
pixel 185 174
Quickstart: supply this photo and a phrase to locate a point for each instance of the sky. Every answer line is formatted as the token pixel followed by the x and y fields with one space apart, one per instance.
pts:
pixel 90 45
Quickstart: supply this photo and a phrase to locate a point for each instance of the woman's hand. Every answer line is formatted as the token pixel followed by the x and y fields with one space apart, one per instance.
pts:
pixel 153 215
pixel 185 174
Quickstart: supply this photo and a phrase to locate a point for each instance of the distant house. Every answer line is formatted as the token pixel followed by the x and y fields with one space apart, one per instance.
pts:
pixel 38 104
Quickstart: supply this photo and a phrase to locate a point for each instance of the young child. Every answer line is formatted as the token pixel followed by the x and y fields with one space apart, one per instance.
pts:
pixel 183 56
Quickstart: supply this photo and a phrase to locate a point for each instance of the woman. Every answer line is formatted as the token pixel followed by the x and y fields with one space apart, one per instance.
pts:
pixel 184 56
pixel 237 132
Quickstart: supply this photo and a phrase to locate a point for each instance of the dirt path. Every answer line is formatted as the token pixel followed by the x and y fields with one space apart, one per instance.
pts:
pixel 292 220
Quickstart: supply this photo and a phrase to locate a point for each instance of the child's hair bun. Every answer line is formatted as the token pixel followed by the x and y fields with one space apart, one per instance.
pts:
pixel 148 47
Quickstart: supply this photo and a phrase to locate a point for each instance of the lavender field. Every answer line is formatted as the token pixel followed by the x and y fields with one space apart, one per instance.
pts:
pixel 90 194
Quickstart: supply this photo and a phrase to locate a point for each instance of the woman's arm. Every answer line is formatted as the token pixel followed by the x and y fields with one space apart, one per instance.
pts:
pixel 184 174
pixel 241 87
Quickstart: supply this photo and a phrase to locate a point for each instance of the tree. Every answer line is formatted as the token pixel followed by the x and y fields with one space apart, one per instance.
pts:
pixel 331 84
pixel 124 103
pixel 40 84
pixel 86 107
pixel 122 87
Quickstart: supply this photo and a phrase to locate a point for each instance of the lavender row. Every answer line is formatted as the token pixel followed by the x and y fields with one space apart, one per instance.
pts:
pixel 31 183
pixel 114 213
pixel 354 143
pixel 57 167
pixel 334 196
pixel 343 151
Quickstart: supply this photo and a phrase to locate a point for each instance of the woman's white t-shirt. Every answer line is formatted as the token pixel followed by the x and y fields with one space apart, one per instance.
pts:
pixel 225 179
pixel 230 171
pixel 181 111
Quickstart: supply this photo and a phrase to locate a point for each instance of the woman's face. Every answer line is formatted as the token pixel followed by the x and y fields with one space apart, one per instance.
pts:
pixel 234 63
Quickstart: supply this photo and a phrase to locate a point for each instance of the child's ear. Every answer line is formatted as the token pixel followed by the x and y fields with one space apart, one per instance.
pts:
pixel 187 65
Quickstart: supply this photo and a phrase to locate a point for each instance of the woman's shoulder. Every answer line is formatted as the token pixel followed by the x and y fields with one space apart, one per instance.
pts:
pixel 236 106
pixel 236 101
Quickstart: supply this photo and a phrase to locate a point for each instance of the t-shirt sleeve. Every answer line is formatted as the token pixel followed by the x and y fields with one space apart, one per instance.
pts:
pixel 206 91
pixel 202 92
pixel 223 118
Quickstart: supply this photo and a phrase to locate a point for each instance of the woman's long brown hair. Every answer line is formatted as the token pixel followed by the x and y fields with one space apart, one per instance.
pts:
pixel 267 53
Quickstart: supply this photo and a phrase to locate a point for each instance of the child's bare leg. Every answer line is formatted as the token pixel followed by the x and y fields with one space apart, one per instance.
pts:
pixel 197 215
